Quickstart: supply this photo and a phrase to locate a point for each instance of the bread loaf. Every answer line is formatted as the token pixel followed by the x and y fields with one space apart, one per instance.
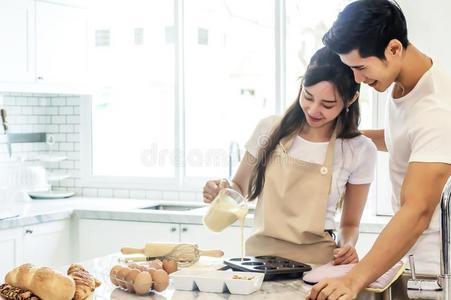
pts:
pixel 44 282
pixel 12 293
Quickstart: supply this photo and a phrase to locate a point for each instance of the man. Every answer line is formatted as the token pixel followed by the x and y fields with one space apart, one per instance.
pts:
pixel 371 37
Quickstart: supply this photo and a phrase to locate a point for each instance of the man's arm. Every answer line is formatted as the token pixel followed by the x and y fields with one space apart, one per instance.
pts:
pixel 378 138
pixel 420 195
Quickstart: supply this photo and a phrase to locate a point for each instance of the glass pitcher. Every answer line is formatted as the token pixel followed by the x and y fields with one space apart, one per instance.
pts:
pixel 228 207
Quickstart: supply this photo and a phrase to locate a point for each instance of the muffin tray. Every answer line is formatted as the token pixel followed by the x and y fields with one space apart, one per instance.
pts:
pixel 274 267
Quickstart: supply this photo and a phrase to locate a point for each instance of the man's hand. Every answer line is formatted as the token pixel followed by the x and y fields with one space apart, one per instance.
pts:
pixel 333 289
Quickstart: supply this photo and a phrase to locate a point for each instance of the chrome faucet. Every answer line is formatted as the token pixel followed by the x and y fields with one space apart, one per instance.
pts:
pixel 444 279
pixel 445 232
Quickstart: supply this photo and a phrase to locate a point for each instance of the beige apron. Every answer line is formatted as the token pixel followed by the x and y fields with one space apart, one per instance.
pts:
pixel 291 210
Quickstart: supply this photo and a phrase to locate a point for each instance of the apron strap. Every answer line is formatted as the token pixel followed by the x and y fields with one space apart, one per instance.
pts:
pixel 329 162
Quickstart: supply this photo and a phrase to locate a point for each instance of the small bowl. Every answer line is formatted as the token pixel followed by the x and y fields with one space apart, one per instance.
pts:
pixel 245 286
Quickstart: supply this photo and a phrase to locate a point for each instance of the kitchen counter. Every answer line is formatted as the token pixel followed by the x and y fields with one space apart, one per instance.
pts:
pixel 270 290
pixel 41 211
pixel 100 267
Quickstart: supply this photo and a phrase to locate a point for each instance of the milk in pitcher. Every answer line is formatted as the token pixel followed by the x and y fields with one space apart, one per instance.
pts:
pixel 228 207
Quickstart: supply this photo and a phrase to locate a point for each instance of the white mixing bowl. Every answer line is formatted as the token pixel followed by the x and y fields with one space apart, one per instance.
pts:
pixel 17 178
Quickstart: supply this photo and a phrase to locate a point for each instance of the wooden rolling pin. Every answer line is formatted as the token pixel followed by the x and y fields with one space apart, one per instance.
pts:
pixel 180 252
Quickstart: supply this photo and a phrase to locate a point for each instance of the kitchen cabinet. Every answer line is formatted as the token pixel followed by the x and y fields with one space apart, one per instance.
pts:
pixel 48 244
pixel 61 43
pixel 16 40
pixel 10 249
pixel 228 240
pixel 44 46
pixel 103 237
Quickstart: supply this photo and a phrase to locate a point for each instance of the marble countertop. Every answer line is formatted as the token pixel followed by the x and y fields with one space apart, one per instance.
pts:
pixel 40 211
pixel 270 290
pixel 100 268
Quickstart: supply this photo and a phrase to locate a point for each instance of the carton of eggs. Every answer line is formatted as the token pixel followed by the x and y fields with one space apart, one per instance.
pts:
pixel 143 277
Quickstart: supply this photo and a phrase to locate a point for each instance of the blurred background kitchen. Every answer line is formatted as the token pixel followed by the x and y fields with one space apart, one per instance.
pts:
pixel 148 99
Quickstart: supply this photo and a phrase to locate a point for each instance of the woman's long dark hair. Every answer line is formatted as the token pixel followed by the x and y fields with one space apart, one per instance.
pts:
pixel 324 65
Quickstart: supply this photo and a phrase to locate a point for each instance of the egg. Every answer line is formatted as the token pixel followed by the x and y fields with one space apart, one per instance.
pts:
pixel 156 263
pixel 130 279
pixel 113 274
pixel 169 265
pixel 150 270
pixel 143 268
pixel 140 267
pixel 160 280
pixel 143 283
pixel 121 276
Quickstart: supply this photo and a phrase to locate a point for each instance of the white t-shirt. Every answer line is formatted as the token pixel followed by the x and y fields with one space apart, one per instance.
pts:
pixel 354 160
pixel 418 129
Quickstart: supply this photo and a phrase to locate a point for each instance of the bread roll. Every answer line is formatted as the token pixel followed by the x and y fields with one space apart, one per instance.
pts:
pixel 44 282
pixel 85 283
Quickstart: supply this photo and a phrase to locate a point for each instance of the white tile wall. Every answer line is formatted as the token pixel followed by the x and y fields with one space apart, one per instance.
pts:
pixel 59 115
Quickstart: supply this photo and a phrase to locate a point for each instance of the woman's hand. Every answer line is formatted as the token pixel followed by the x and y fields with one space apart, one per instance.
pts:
pixel 345 255
pixel 212 188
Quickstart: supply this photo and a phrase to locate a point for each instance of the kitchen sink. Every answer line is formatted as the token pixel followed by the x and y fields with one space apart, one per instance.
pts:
pixel 184 207
pixel 398 291
pixel 174 207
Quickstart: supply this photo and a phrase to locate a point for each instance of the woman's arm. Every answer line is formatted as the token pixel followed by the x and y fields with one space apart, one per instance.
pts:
pixel 353 205
pixel 242 177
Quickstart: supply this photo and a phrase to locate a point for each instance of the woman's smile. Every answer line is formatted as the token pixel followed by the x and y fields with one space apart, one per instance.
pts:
pixel 313 119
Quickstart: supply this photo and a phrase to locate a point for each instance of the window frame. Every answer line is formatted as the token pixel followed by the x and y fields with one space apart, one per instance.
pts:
pixel 195 184
pixel 87 179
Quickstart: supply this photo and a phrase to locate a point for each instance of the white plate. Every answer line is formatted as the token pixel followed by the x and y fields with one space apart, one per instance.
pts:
pixel 217 281
pixel 50 195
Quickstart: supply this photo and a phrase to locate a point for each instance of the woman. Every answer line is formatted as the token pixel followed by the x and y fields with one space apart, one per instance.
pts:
pixel 302 166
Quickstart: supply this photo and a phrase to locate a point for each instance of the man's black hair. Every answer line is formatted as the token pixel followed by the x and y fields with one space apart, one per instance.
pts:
pixel 368 26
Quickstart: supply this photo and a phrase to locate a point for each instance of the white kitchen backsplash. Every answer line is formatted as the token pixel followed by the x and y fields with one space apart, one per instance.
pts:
pixel 59 115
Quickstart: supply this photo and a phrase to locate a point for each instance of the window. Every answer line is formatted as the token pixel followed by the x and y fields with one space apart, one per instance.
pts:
pixel 133 108
pixel 180 82
pixel 229 78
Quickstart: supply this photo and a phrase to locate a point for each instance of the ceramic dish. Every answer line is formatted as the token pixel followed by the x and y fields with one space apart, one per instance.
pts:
pixel 243 283
pixel 50 195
